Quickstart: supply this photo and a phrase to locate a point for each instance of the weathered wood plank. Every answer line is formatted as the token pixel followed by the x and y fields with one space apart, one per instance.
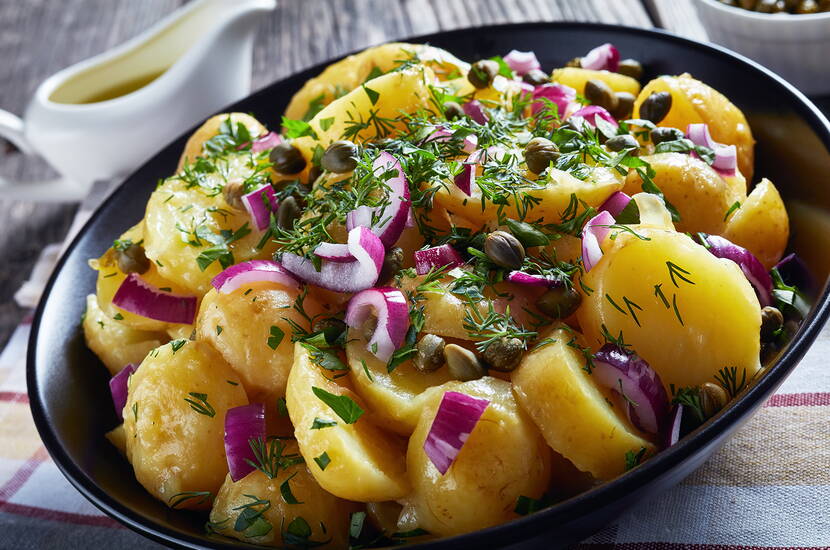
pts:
pixel 677 16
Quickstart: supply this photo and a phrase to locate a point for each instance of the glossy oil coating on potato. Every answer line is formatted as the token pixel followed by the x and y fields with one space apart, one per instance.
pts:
pixel 761 224
pixel 194 148
pixel 576 78
pixel 174 421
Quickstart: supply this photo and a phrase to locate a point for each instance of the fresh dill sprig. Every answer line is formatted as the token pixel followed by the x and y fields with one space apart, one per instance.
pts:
pixel 488 327
pixel 270 457
pixel 727 377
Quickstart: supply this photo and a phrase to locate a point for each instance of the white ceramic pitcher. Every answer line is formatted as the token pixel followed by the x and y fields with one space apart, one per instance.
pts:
pixel 103 117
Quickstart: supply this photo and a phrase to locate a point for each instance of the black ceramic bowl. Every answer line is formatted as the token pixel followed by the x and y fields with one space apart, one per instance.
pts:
pixel 68 387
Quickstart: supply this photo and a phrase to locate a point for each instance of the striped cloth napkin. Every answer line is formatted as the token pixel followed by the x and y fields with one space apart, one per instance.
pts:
pixel 768 487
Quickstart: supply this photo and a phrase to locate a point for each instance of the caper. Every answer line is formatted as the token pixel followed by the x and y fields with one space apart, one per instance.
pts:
pixel 340 157
pixel 287 159
pixel 462 363
pixel 656 106
pixel 600 93
pixel 575 62
pixel 313 173
pixel 131 259
pixel 712 399
pixel 630 67
pixel 392 264
pixel 429 354
pixel 233 193
pixel 748 4
pixel 662 134
pixel 482 73
pixel 539 153
pixel 536 77
pixel 765 6
pixel 807 6
pixel 625 104
pixel 771 321
pixel 326 324
pixel 453 110
pixel 559 302
pixel 287 212
pixel 781 7
pixel 625 141
pixel 503 354
pixel 504 249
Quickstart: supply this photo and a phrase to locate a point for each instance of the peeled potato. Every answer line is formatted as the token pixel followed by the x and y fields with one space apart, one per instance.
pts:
pixel 693 102
pixel 194 146
pixel 576 78
pixel 173 447
pixel 761 224
pixel 366 464
pixel 503 458
pixel 708 316
pixel 578 418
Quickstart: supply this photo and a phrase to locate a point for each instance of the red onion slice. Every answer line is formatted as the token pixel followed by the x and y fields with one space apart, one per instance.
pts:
pixel 726 156
pixel 455 420
pixel 752 268
pixel 469 143
pixel 615 204
pixel 604 57
pixel 589 114
pixel 521 63
pixel 392 311
pixel 467 177
pixel 334 252
pixel 647 403
pixel 436 257
pixel 391 220
pixel 118 389
pixel 260 203
pixel 562 96
pixel 266 142
pixel 360 274
pixel 140 297
pixel 531 279
pixel 242 425
pixel 672 432
pixel 253 271
pixel 794 272
pixel 475 110
pixel 594 232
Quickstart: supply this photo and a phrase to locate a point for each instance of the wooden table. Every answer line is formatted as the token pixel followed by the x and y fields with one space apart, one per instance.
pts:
pixel 39 38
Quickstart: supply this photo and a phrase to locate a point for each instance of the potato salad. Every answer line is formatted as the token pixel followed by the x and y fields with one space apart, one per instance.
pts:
pixel 440 295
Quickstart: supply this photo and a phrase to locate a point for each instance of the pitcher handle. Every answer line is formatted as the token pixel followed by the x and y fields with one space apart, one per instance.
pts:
pixel 11 128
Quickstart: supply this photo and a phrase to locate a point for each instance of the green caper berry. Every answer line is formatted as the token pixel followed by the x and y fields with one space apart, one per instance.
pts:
pixel 618 143
pixel 600 93
pixel 504 354
pixel 326 324
pixel 482 73
pixel 663 134
pixel 453 110
pixel 429 354
pixel 287 212
pixel 630 67
pixel 340 157
pixel 539 153
pixel 287 159
pixel 559 302
pixel 771 321
pixel 392 264
pixel 806 7
pixel 713 398
pixel 625 105
pixel 462 363
pixel 536 77
pixel 575 62
pixel 656 107
pixel 504 249
pixel 132 259
pixel 233 193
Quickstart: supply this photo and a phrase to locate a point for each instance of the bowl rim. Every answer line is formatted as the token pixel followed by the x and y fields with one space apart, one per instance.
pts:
pixel 734 11
pixel 532 524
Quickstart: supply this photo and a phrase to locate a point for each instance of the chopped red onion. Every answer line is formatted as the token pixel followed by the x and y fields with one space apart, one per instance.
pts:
pixel 392 311
pixel 615 204
pixel 467 177
pixel 118 389
pixel 647 403
pixel 530 279
pixel 521 63
pixel 672 433
pixel 726 156
pixel 436 257
pixel 253 271
pixel 140 297
pixel 794 272
pixel 594 232
pixel 475 110
pixel 265 142
pixel 260 203
pixel 605 57
pixel 242 426
pixel 455 420
pixel 589 114
pixel 391 219
pixel 442 134
pixel 751 266
pixel 334 252
pixel 562 96
pixel 360 274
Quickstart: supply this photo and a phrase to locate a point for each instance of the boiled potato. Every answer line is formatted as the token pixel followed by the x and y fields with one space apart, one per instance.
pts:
pixel 653 211
pixel 174 421
pixel 366 464
pixel 241 326
pixel 582 421
pixel 325 515
pixel 761 224
pixel 685 311
pixel 693 102
pixel 347 74
pixel 576 78
pixel 195 143
pixel 504 457
pixel 115 343
pixel 118 438
pixel 700 195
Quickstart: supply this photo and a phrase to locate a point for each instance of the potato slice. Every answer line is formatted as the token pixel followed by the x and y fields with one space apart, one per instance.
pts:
pixel 504 457
pixel 578 419
pixel 174 421
pixel 576 78
pixel 195 143
pixel 366 463
pixel 686 312
pixel 761 224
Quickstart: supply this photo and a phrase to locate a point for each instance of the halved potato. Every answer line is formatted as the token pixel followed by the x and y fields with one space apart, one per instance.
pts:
pixel 194 147
pixel 576 78
pixel 761 224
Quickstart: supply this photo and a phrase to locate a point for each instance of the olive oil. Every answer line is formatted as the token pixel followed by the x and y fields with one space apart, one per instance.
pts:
pixel 119 89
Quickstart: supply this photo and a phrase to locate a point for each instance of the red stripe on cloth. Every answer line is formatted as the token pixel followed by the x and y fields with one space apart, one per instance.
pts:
pixel 14 397
pixel 816 399
pixel 22 475
pixel 56 515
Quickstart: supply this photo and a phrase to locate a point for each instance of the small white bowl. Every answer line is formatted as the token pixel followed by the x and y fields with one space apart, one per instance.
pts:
pixel 797 47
